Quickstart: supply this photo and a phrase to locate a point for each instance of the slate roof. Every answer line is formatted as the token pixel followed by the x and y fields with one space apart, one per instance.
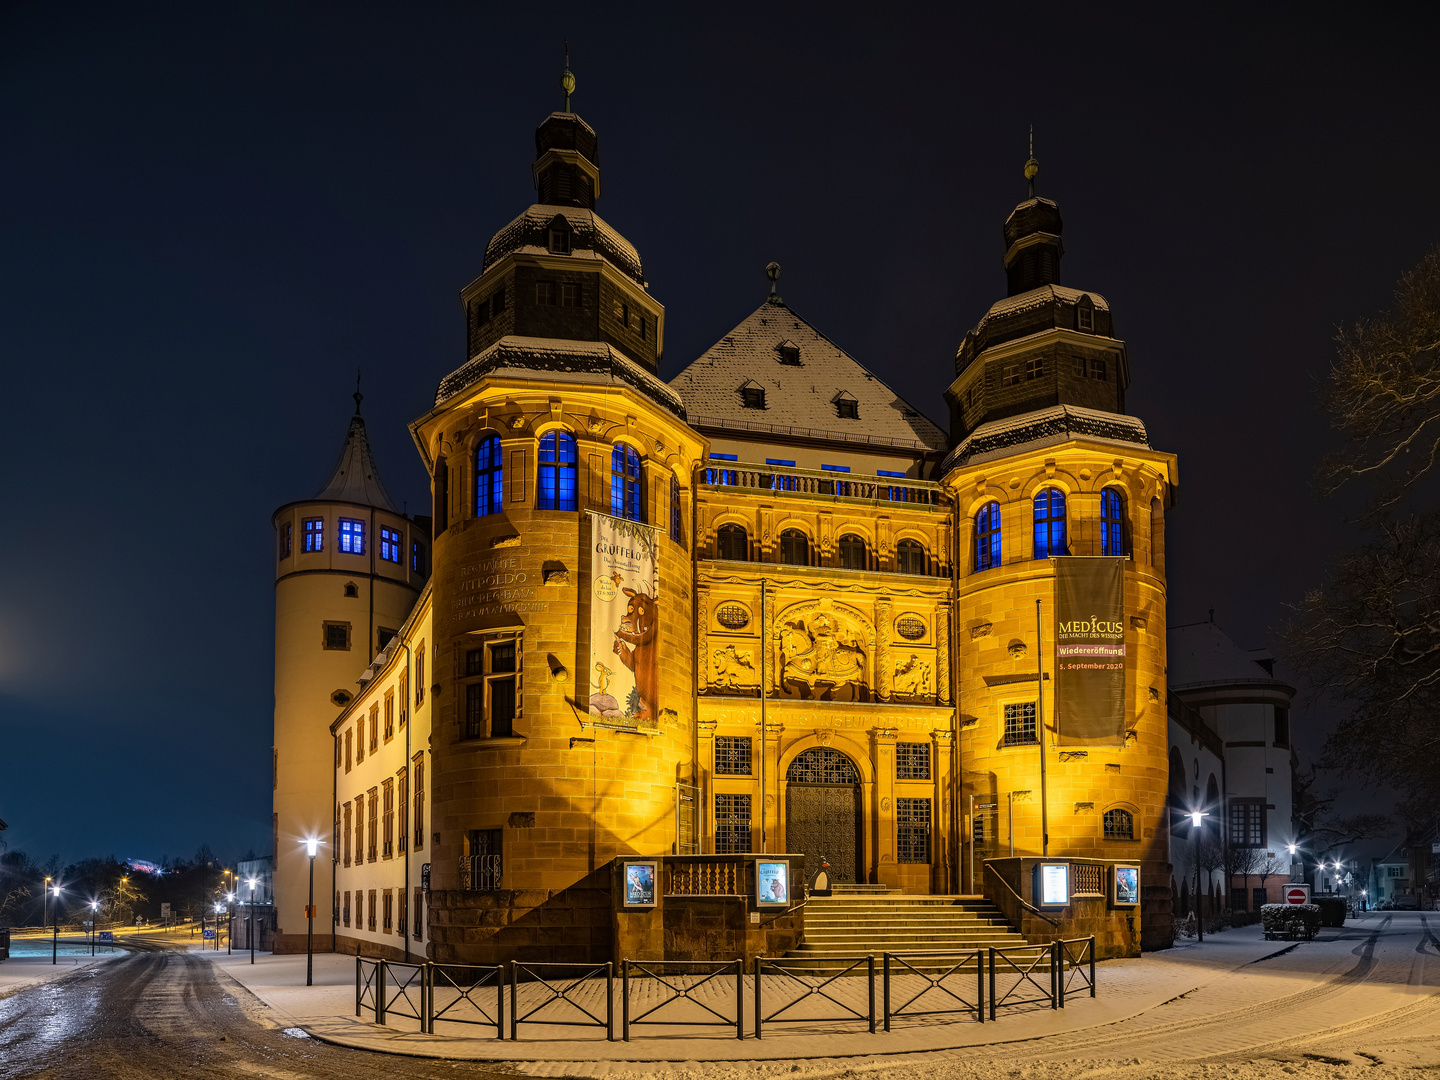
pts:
pixel 356 478
pixel 1045 427
pixel 591 238
pixel 799 398
pixel 1039 297
pixel 1201 654
pixel 592 362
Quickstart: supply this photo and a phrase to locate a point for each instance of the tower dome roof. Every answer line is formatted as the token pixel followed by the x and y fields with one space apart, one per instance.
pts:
pixel 1034 215
pixel 356 478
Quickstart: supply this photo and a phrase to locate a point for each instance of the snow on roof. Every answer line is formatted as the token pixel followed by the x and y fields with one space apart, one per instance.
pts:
pixel 592 238
pixel 799 398
pixel 356 478
pixel 1045 427
pixel 1201 654
pixel 1034 298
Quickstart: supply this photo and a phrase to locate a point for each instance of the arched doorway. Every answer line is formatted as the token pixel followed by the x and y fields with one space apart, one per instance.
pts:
pixel 822 812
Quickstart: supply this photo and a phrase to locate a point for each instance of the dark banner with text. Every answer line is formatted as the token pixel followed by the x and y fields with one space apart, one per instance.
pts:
pixel 1090 651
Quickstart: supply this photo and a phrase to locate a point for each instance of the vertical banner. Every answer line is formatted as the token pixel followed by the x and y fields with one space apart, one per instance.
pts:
pixel 624 621
pixel 1090 651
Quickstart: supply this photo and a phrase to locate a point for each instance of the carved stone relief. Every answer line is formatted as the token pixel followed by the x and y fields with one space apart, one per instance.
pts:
pixel 734 669
pixel 912 678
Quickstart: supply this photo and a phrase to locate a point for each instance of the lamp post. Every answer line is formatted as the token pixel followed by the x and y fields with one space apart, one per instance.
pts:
pixel 219 910
pixel 1197 820
pixel 45 904
pixel 250 933
pixel 94 907
pixel 55 928
pixel 312 848
pixel 229 922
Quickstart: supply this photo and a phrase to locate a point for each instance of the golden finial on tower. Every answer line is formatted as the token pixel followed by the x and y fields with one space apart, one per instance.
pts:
pixel 1032 167
pixel 567 80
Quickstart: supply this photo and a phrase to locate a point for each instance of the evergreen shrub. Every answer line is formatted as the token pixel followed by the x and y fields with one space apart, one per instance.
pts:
pixel 1291 920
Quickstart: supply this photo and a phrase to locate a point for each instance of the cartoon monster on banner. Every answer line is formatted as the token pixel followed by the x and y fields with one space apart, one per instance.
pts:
pixel 1090 651
pixel 624 621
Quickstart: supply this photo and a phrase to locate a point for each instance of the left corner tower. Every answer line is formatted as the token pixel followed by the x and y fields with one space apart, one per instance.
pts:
pixel 349 567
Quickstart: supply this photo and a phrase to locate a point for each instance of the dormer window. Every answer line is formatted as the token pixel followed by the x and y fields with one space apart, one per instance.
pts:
pixel 559 239
pixel 752 395
pixel 789 353
pixel 846 407
pixel 1085 317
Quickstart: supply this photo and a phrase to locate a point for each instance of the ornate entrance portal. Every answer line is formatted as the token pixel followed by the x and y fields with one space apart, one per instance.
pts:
pixel 822 812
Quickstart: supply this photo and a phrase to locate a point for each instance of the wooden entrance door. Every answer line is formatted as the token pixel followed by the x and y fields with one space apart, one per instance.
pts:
pixel 823 814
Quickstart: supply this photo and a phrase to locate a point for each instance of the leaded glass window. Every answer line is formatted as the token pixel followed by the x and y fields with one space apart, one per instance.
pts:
pixel 912 761
pixel 732 824
pixel 1050 524
pixel 676 532
pixel 822 765
pixel 1112 522
pixel 732 755
pixel 314 534
pixel 555 489
pixel 987 536
pixel 1020 724
pixel 489 477
pixel 912 830
pixel 625 483
pixel 391 544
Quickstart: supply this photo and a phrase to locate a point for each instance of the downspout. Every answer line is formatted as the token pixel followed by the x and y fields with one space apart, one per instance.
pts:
pixel 409 721
pixel 700 795
pixel 953 645
pixel 334 840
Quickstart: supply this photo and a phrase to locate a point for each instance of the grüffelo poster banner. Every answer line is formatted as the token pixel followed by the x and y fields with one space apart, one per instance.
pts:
pixel 1090 651
pixel 624 621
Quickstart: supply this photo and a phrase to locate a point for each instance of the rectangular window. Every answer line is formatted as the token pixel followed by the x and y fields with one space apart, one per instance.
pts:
pixel 492 700
pixel 374 727
pixel 286 539
pixel 776 461
pixel 419 912
pixel 475 662
pixel 314 534
pixel 485 863
pixel 545 293
pixel 1034 368
pixel 912 761
pixel 347 843
pixel 392 543
pixel 1247 823
pixel 337 635
pixel 389 715
pixel 417 557
pixel 349 746
pixel 373 846
pixel 352 536
pixel 420 675
pixel 1010 375
pixel 402 693
pixel 912 830
pixel 402 802
pixel 624 314
pixel 400 913
pixel 345 909
pixel 570 294
pixel 383 636
pixel 502 708
pixel 732 755
pixel 482 311
pixel 1282 727
pixel 370 921
pixel 846 409
pixel 1095 368
pixel 497 302
pixel 1086 318
pixel 560 241
pixel 359 829
pixel 388 850
pixel 419 804
pixel 732 824
pixel 1395 871
pixel 359 738
pixel 642 328
pixel 1020 724
pixel 475 711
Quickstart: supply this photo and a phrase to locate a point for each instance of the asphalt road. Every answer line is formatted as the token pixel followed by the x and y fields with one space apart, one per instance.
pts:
pixel 162 1013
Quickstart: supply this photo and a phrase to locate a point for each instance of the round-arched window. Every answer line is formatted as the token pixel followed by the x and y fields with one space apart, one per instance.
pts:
pixel 822 765
pixel 987 536
pixel 794 548
pixel 489 477
pixel 1050 523
pixel 910 557
pixel 852 552
pixel 1119 825
pixel 1112 523
pixel 732 542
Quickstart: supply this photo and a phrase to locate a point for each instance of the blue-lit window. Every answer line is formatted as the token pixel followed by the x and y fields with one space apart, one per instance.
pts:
pixel 489 477
pixel 987 536
pixel 392 543
pixel 286 540
pixel 417 557
pixel 675 530
pixel 1112 522
pixel 352 536
pixel 723 477
pixel 314 534
pixel 558 457
pixel 894 494
pixel 625 483
pixel 1050 524
pixel 781 483
pixel 840 487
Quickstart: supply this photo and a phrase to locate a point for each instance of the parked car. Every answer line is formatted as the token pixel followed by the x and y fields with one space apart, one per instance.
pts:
pixel 1407 903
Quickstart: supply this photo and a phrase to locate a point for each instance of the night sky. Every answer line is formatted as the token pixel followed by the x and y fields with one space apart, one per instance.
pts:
pixel 212 215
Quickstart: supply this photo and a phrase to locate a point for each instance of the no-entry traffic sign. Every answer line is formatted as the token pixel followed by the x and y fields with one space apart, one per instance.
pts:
pixel 1295 894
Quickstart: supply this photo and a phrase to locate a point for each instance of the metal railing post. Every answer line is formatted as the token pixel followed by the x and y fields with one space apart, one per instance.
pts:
pixel 1092 965
pixel 1063 955
pixel 427 998
pixel 625 990
pixel 380 991
pixel 610 1000
pixel 886 997
pixel 992 982
pixel 759 1006
pixel 500 1002
pixel 740 1000
pixel 870 965
pixel 1054 994
pixel 514 998
pixel 357 986
pixel 980 985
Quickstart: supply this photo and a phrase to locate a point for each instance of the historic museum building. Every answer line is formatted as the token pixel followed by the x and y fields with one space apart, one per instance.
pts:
pixel 766 606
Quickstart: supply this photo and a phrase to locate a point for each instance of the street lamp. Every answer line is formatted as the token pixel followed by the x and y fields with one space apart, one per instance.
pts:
pixel 312 848
pixel 219 910
pixel 230 922
pixel 250 932
pixel 45 904
pixel 55 927
pixel 94 907
pixel 1197 819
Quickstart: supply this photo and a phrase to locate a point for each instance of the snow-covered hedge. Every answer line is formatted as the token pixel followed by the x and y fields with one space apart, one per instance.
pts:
pixel 1291 920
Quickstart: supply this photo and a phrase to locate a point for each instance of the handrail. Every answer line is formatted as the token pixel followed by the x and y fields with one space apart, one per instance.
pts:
pixel 1020 899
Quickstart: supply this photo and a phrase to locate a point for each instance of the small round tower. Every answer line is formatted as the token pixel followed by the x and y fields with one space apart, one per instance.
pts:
pixel 349 567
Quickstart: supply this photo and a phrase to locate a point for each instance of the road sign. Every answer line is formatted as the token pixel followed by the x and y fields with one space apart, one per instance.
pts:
pixel 165 910
pixel 106 935
pixel 209 933
pixel 1294 893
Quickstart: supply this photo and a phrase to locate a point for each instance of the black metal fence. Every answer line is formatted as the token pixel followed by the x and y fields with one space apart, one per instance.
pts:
pixel 939 973
pixel 674 982
pixel 453 995
pixel 569 978
pixel 815 978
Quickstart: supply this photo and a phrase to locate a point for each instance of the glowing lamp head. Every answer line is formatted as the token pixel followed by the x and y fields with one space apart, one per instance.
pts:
pixel 1195 818
pixel 312 847
pixel 252 882
pixel 1292 849
pixel 229 897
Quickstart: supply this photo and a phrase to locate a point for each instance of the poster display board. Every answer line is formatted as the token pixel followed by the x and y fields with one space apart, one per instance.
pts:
pixel 1125 888
pixel 624 622
pixel 772 884
pixel 1052 884
pixel 1090 651
pixel 642 878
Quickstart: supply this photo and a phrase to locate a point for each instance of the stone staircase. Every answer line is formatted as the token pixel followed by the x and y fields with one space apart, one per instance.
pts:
pixel 860 919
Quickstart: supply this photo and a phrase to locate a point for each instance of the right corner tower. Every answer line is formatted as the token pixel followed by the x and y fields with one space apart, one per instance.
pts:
pixel 1061 499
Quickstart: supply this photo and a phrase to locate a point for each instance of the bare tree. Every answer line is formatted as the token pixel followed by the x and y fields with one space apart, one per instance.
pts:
pixel 1383 392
